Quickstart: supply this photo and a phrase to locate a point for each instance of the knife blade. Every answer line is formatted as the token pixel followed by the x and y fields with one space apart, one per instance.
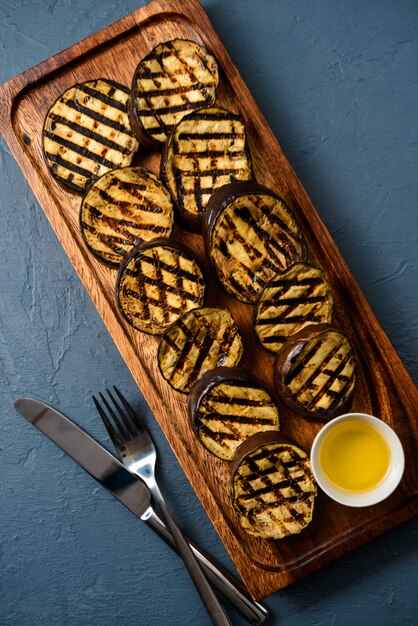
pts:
pixel 88 453
pixel 131 491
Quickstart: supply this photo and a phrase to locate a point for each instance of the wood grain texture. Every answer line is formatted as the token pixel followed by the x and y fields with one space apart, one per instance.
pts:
pixel 384 388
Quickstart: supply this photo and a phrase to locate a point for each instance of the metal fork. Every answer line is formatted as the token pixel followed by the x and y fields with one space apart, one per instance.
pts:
pixel 138 453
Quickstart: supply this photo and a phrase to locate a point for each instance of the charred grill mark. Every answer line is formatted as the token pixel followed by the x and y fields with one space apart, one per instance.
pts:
pixel 99 118
pixel 245 215
pixel 239 401
pixel 250 249
pixel 309 317
pixel 86 132
pixel 178 177
pixel 304 356
pixel 117 223
pixel 184 328
pixel 204 350
pixel 275 308
pixel 137 191
pixel 275 339
pixel 159 280
pixel 117 86
pixel 319 369
pixel 208 136
pixel 96 158
pixel 303 281
pixel 273 219
pixel 189 106
pixel 106 98
pixel 182 355
pixel 239 288
pixel 172 269
pixel 56 158
pixel 276 458
pixel 169 92
pixel 216 116
pixel 274 489
pixel 124 206
pixel 146 300
pixel 156 130
pixel 114 243
pixel 214 173
pixel 198 195
pixel 333 376
pixel 238 419
pixel 209 344
pixel 204 154
pixel 219 437
pixel 280 301
pixel 178 278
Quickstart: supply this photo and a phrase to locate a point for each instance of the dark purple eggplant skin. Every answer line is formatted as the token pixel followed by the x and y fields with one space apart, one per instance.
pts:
pixel 212 378
pixel 282 366
pixel 226 194
pixel 136 125
pixel 145 245
pixel 190 221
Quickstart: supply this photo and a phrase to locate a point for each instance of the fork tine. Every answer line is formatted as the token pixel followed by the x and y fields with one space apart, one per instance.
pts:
pixel 130 427
pixel 134 417
pixel 124 434
pixel 108 424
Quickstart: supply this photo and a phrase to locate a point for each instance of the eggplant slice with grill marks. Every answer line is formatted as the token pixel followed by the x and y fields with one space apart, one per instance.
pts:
pixel 176 77
pixel 315 372
pixel 293 299
pixel 160 281
pixel 200 340
pixel 205 151
pixel 227 406
pixel 273 488
pixel 86 133
pixel 122 208
pixel 250 235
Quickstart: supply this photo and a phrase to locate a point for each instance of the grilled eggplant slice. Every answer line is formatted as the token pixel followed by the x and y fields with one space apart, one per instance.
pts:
pixel 206 150
pixel 273 488
pixel 293 299
pixel 227 406
pixel 86 133
pixel 250 235
pixel 315 372
pixel 160 281
pixel 122 208
pixel 177 76
pixel 200 340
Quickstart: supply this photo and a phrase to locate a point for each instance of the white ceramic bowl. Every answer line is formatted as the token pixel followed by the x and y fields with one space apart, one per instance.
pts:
pixel 384 488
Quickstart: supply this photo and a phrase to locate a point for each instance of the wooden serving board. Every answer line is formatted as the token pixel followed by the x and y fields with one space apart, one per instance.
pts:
pixel 383 387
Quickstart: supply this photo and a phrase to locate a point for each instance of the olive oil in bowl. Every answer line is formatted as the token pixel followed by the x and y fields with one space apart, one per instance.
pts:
pixel 354 456
pixel 357 459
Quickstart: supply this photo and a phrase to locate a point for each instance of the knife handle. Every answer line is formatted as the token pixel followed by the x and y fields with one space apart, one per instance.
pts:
pixel 225 584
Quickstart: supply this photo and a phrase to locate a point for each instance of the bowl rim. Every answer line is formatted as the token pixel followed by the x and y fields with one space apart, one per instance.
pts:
pixel 389 483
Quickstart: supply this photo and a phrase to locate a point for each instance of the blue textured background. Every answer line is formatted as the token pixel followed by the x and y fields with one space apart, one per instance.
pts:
pixel 338 84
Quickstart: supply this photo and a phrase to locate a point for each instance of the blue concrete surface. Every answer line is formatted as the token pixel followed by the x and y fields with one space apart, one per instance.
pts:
pixel 338 84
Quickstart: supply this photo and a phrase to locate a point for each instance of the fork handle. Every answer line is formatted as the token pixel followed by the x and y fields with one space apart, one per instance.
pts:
pixel 211 602
pixel 226 585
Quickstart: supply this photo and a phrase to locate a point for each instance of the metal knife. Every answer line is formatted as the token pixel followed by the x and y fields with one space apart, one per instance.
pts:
pixel 132 492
